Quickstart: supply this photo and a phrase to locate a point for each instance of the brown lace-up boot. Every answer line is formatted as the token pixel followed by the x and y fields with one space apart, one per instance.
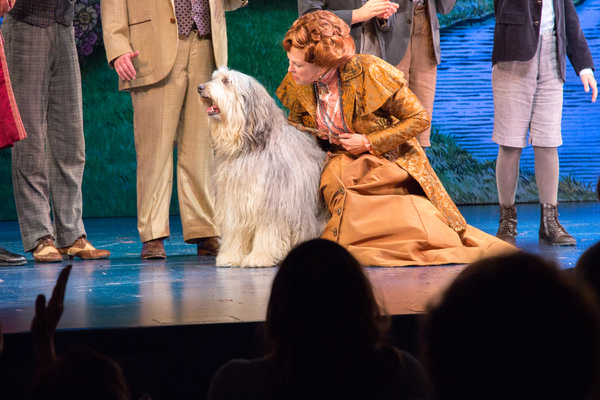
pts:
pixel 508 224
pixel 551 231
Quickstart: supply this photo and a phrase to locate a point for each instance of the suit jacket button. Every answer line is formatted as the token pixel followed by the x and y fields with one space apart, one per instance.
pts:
pixel 335 232
pixel 536 23
pixel 408 21
pixel 173 20
pixel 342 190
pixel 539 2
pixel 339 211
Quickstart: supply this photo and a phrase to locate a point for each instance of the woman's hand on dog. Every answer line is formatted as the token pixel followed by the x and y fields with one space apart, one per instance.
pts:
pixel 124 66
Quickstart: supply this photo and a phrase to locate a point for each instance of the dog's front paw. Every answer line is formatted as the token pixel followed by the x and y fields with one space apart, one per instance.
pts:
pixel 253 260
pixel 228 260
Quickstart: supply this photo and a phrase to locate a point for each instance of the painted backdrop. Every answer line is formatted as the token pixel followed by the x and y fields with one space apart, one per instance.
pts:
pixel 462 152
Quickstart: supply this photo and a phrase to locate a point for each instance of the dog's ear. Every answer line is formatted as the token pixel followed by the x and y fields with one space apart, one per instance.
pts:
pixel 260 109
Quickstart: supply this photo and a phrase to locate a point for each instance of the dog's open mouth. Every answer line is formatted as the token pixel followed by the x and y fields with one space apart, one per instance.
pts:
pixel 213 110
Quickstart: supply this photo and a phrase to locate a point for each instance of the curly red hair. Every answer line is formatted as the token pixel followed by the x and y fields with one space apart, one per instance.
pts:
pixel 324 38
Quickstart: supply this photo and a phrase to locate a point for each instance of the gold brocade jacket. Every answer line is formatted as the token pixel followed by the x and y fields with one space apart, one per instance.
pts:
pixel 377 103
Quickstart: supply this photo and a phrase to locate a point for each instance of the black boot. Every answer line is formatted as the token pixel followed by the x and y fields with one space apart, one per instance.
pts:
pixel 551 231
pixel 8 258
pixel 508 224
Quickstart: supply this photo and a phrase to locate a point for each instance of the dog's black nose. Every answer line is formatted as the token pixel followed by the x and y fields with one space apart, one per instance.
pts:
pixel 200 88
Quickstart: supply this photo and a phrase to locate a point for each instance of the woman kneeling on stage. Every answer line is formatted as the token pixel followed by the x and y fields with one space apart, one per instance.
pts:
pixel 387 204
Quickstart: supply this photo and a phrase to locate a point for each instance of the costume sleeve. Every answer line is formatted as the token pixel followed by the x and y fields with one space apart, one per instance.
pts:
pixel 444 6
pixel 577 47
pixel 306 6
pixel 115 29
pixel 412 119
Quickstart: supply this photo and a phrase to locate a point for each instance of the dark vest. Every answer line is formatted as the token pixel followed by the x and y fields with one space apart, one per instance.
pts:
pixel 44 13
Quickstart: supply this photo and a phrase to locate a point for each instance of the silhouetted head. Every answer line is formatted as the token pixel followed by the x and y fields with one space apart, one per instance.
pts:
pixel 321 294
pixel 325 327
pixel 513 327
pixel 82 374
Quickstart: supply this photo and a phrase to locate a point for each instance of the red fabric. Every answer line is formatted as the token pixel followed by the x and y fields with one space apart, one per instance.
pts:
pixel 11 126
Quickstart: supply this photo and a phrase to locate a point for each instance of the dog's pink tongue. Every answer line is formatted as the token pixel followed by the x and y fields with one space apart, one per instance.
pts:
pixel 212 110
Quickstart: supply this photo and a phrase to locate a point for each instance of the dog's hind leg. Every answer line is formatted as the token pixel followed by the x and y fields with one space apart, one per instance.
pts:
pixel 269 247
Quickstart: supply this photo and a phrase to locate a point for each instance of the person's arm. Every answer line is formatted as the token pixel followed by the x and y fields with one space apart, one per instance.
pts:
pixel 115 29
pixel 412 119
pixel 372 9
pixel 578 51
pixel 588 80
pixel 306 6
pixel 45 321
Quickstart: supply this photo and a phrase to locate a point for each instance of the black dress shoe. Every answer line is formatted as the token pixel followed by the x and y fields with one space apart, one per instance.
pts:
pixel 8 258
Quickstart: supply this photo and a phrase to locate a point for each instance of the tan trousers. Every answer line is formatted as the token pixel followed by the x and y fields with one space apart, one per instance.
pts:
pixel 420 66
pixel 168 115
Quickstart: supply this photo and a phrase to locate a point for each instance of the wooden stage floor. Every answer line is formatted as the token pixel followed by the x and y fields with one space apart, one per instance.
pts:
pixel 126 292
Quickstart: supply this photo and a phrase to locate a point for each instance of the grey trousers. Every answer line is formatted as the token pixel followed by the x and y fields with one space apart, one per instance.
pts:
pixel 47 166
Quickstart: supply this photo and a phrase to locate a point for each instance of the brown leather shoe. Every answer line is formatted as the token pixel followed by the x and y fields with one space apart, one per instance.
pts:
pixel 154 249
pixel 83 249
pixel 209 246
pixel 45 252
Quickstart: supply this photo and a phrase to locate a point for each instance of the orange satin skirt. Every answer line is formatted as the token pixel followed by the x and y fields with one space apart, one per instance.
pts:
pixel 382 217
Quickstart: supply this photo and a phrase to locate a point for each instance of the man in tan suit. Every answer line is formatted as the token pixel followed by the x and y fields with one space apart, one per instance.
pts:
pixel 162 50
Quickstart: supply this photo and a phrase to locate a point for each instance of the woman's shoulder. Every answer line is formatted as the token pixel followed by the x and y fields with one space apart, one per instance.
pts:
pixel 371 68
pixel 374 64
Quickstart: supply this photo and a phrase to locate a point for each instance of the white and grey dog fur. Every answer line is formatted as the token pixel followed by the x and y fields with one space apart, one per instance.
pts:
pixel 266 174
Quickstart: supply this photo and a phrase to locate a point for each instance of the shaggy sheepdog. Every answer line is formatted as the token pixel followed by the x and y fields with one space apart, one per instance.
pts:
pixel 266 174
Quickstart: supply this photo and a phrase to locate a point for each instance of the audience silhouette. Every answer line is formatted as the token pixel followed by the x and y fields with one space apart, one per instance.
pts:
pixel 327 337
pixel 82 373
pixel 513 327
pixel 508 327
